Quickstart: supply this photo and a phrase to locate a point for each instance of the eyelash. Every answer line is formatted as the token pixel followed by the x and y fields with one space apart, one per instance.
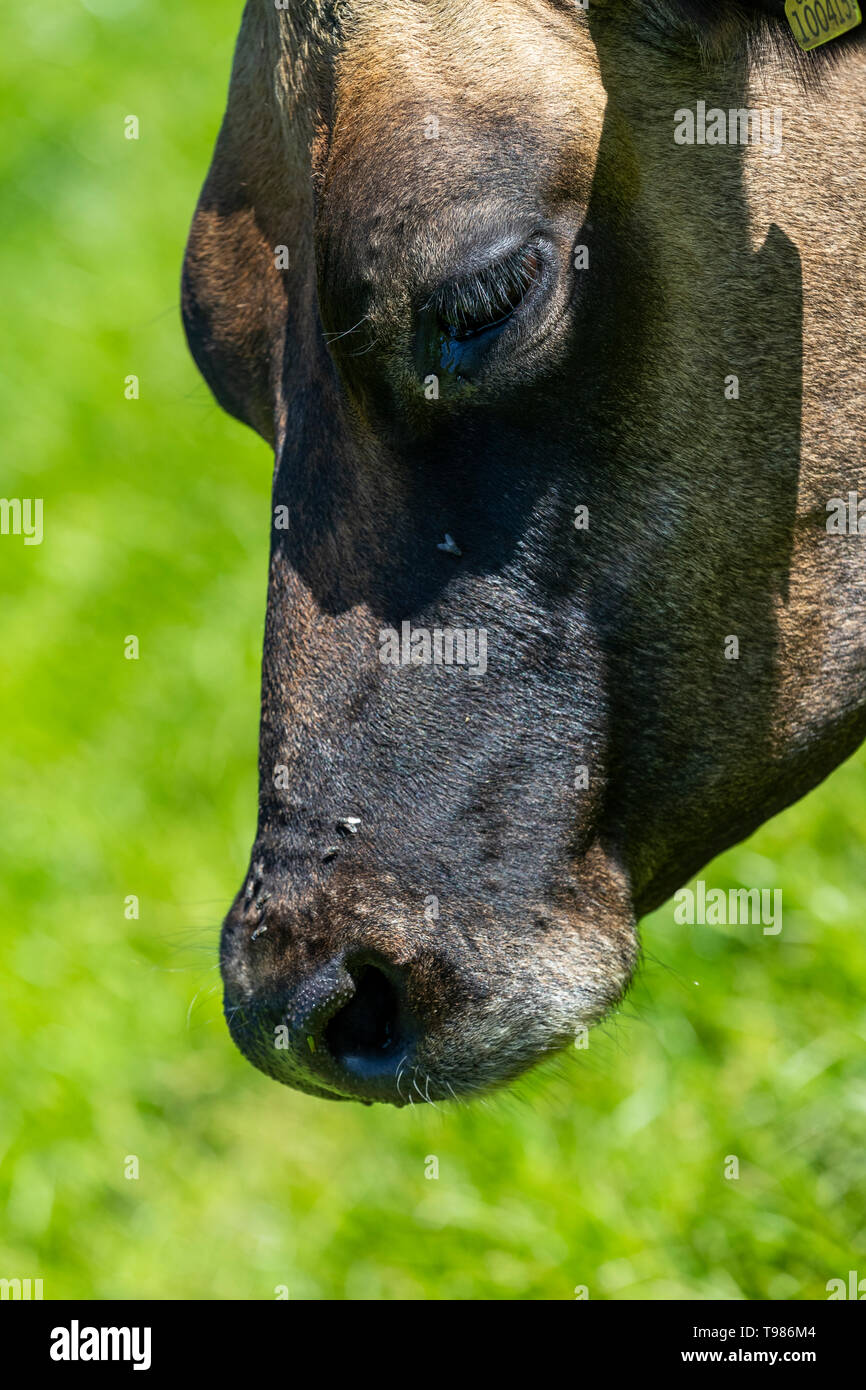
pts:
pixel 488 297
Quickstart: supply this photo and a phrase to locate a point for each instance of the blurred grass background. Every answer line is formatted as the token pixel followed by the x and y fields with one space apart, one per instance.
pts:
pixel 606 1167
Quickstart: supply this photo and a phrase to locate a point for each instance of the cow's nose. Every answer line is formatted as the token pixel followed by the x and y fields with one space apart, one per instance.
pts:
pixel 356 1027
pixel 370 1028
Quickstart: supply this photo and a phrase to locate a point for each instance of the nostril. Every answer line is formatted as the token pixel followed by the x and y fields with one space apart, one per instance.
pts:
pixel 372 1027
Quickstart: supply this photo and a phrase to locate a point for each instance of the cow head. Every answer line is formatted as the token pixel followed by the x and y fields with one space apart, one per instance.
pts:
pixel 553 615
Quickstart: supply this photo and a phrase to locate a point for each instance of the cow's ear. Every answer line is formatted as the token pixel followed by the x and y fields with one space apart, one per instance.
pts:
pixel 250 245
pixel 230 300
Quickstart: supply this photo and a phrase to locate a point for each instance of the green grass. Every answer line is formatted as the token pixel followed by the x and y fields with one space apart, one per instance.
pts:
pixel 604 1169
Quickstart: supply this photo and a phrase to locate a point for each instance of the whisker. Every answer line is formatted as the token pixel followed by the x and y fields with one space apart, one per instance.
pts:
pixel 334 337
pixel 195 997
pixel 399 1075
pixel 362 351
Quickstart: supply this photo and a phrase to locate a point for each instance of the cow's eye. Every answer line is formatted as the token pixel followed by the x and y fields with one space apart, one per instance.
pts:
pixel 488 297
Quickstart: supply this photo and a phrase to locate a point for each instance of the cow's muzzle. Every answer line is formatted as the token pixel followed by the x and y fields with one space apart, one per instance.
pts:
pixel 346 1031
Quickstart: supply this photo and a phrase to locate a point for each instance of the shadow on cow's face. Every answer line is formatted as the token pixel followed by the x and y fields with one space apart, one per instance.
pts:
pixel 490 306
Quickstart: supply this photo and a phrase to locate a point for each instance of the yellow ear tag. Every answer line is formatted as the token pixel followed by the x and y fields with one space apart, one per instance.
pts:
pixel 818 21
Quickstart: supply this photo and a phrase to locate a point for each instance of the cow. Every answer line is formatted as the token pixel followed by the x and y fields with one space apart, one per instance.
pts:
pixel 552 313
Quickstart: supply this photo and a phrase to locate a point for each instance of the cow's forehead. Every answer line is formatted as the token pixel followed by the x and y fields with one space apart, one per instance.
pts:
pixel 330 22
pixel 759 27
